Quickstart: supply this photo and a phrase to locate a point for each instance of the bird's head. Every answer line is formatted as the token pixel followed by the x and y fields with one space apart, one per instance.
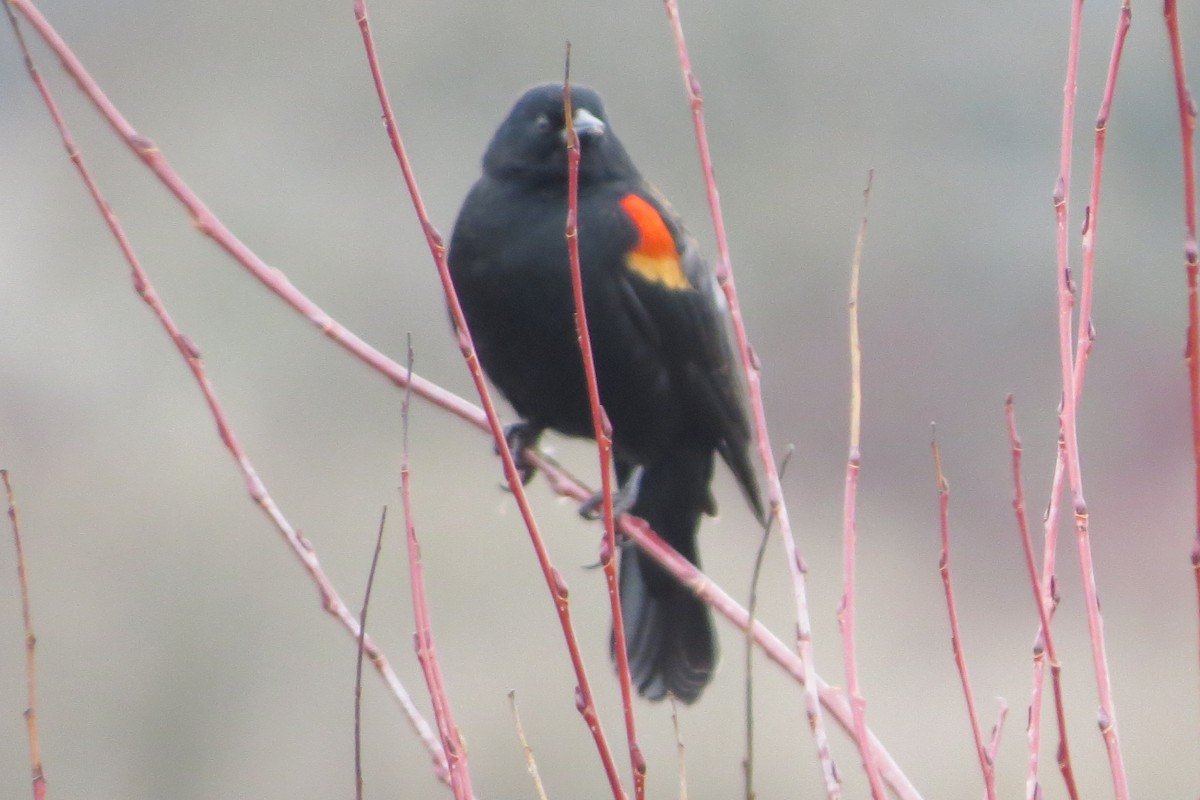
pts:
pixel 530 144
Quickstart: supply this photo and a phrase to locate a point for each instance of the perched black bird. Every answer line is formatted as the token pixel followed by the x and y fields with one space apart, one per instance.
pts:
pixel 664 362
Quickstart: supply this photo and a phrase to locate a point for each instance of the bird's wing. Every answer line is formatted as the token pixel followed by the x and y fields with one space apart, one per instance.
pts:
pixel 671 290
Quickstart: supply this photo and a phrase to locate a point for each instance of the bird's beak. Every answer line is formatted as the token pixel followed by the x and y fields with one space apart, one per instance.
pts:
pixel 586 124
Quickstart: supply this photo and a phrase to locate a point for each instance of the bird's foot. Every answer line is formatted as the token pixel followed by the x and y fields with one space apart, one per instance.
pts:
pixel 623 543
pixel 622 501
pixel 522 436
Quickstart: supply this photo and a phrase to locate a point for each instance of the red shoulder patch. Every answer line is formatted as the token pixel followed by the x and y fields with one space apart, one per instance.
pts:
pixel 654 257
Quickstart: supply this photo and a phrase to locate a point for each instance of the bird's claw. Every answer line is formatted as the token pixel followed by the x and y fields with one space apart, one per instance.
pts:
pixel 520 437
pixel 622 501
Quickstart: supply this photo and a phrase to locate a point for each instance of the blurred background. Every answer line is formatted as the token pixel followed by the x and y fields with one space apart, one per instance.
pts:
pixel 182 651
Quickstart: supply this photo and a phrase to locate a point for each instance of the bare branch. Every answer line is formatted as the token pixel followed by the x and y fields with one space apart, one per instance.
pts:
pixel 986 766
pixel 858 705
pixel 681 752
pixel 1074 364
pixel 530 764
pixel 1187 128
pixel 35 753
pixel 752 374
pixel 1044 645
pixel 751 608
pixel 452 743
pixel 602 431
pixel 358 664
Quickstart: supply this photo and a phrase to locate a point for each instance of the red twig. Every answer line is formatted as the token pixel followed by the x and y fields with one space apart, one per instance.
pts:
pixel 358 661
pixel 1048 597
pixel 994 744
pixel 849 524
pixel 452 743
pixel 1050 522
pixel 35 752
pixel 526 750
pixel 986 765
pixel 681 752
pixel 330 599
pixel 554 580
pixel 602 431
pixel 1074 364
pixel 1187 127
pixel 750 369
pixel 1044 646
pixel 751 609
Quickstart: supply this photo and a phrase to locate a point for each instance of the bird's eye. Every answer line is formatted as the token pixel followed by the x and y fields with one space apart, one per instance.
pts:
pixel 542 123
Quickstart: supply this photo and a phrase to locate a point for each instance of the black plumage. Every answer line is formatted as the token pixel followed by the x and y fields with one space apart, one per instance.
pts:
pixel 664 363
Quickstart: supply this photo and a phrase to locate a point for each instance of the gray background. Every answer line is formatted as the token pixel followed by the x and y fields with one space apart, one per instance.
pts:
pixel 182 651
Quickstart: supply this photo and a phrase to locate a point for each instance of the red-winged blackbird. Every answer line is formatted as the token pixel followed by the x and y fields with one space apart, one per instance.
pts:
pixel 663 358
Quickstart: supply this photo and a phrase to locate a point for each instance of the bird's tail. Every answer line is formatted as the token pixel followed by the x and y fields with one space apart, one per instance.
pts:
pixel 669 632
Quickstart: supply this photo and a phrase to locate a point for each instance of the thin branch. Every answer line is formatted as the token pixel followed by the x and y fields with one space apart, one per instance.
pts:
pixel 986 766
pixel 602 431
pixel 752 375
pixel 1048 598
pixel 35 752
pixel 1044 646
pixel 358 662
pixel 301 547
pixel 1074 364
pixel 680 750
pixel 526 750
pixel 751 608
pixel 846 617
pixel 452 743
pixel 1187 127
pixel 1051 519
pixel 554 581
pixel 994 743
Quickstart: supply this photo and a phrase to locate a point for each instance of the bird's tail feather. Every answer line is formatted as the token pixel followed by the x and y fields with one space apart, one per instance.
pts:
pixel 668 631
